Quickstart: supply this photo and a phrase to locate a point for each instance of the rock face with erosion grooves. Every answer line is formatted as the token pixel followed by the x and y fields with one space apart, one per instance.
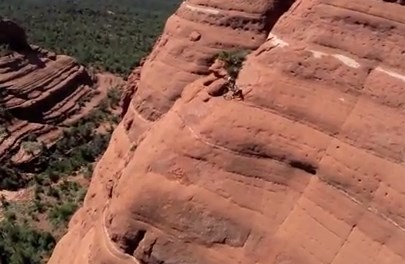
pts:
pixel 308 169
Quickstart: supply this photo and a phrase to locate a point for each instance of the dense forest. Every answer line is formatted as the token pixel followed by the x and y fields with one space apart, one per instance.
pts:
pixel 111 35
pixel 108 35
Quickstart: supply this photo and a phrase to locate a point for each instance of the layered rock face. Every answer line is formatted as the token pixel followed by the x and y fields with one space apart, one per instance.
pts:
pixel 308 168
pixel 41 94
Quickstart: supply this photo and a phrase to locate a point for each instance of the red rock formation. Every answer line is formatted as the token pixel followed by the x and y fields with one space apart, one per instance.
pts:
pixel 43 93
pixel 307 169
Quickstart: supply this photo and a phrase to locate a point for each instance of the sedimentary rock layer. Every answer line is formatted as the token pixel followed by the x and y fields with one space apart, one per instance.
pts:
pixel 42 93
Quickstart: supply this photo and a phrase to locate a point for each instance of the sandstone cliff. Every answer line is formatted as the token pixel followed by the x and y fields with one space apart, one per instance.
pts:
pixel 307 169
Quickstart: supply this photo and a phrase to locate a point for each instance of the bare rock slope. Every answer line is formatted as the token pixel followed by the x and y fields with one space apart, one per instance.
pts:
pixel 309 168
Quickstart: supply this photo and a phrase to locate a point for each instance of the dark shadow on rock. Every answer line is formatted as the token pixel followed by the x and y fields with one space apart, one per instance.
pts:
pixel 34 58
pixel 274 14
pixel 13 35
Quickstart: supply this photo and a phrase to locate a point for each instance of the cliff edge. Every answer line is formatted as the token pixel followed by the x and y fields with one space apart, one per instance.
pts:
pixel 307 168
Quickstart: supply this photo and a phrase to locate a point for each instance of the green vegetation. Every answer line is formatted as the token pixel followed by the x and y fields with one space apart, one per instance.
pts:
pixel 114 96
pixel 20 243
pixel 110 35
pixel 32 147
pixel 233 61
pixel 10 178
pixel 65 198
pixel 79 146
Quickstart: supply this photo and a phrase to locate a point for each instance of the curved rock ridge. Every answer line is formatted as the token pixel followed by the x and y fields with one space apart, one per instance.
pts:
pixel 308 168
pixel 42 93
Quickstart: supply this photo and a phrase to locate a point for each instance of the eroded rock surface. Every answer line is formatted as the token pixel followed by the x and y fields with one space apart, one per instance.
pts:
pixel 307 169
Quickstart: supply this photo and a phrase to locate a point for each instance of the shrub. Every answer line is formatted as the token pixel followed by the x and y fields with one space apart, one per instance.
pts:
pixel 10 178
pixel 69 187
pixel 233 61
pixel 52 192
pixel 87 171
pixel 32 147
pixel 114 96
pixel 36 207
pixel 104 106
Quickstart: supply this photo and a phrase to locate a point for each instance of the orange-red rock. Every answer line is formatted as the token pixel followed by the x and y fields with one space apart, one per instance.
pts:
pixel 307 169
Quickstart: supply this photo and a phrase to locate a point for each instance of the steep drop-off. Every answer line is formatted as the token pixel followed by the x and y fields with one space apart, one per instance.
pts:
pixel 308 168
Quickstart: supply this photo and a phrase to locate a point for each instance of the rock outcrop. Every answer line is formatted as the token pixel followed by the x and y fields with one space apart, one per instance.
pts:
pixel 41 94
pixel 307 169
pixel 13 35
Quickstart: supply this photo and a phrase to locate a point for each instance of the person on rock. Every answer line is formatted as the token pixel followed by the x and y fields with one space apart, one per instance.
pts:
pixel 234 89
pixel 218 69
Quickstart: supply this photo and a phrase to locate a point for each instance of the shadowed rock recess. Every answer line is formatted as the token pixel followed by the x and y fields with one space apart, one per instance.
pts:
pixel 308 169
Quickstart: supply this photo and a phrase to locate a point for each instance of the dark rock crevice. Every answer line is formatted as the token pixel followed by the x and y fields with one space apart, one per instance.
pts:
pixel 274 14
pixel 132 243
pixel 304 166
